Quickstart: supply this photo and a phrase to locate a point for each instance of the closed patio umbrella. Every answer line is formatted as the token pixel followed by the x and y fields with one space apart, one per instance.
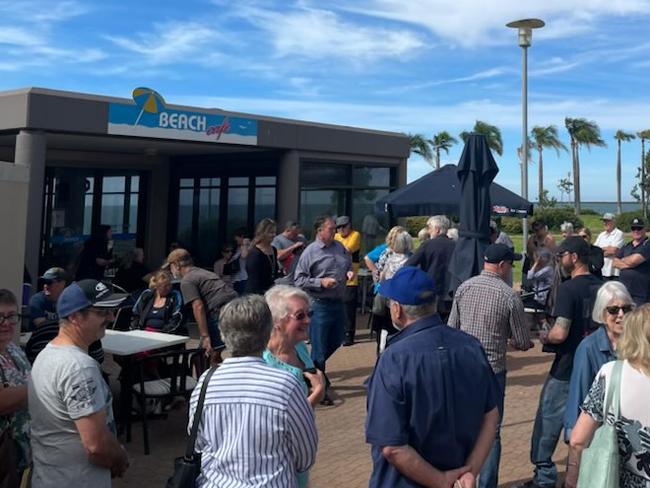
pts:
pixel 476 171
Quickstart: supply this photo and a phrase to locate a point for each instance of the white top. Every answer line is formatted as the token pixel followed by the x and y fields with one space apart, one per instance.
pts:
pixel 633 422
pixel 134 341
pixel 613 238
pixel 257 429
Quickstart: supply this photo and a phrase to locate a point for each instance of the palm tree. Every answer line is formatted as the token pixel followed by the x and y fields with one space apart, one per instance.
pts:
pixel 643 135
pixel 420 146
pixel 620 136
pixel 545 137
pixel 582 132
pixel 491 133
pixel 442 140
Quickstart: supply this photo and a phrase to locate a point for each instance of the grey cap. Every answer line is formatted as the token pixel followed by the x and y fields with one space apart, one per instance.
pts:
pixel 608 216
pixel 342 220
pixel 54 274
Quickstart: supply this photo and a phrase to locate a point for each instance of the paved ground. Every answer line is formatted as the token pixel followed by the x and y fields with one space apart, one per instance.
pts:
pixel 343 457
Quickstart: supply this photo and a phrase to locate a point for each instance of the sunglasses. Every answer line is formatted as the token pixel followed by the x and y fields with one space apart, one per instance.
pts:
pixel 301 315
pixel 614 309
pixel 584 236
pixel 12 318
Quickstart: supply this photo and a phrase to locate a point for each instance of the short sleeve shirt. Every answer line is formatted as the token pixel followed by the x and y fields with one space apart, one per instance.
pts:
pixel 41 307
pixel 637 279
pixel 575 301
pixel 605 239
pixel 430 389
pixel 201 284
pixel 66 385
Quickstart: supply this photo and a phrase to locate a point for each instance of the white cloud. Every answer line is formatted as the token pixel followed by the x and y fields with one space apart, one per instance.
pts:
pixel 18 36
pixel 316 34
pixel 480 75
pixel 170 43
pixel 470 23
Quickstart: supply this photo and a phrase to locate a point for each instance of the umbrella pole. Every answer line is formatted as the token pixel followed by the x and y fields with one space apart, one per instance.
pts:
pixel 139 116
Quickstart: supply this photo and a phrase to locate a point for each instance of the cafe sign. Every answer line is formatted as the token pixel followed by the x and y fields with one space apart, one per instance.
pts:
pixel 149 116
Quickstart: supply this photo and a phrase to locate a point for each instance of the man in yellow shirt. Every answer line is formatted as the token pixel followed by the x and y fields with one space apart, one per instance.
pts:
pixel 351 239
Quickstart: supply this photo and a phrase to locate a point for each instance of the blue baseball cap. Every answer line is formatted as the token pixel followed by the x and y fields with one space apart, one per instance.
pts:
pixel 87 293
pixel 409 286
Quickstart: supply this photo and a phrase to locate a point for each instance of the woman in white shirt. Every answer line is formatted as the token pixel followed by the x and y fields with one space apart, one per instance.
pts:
pixel 633 422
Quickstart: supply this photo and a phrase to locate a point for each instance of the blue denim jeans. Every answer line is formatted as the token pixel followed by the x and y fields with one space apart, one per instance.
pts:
pixel 549 422
pixel 326 330
pixel 215 335
pixel 489 477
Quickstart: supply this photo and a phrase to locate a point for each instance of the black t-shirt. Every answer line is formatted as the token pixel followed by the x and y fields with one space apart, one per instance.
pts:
pixel 637 280
pixel 575 301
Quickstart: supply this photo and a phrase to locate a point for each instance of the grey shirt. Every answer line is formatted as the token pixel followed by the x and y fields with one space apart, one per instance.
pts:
pixel 281 242
pixel 66 385
pixel 320 261
pixel 201 284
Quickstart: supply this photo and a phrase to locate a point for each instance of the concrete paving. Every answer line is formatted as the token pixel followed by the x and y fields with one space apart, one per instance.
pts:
pixel 343 456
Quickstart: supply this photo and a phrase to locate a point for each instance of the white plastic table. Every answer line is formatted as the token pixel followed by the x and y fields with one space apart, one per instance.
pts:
pixel 127 343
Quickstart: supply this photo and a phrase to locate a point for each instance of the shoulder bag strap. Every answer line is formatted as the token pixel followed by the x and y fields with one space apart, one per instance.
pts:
pixel 614 390
pixel 189 450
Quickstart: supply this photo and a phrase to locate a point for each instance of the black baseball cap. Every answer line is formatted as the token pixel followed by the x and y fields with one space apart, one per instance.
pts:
pixel 574 244
pixel 495 253
pixel 87 293
pixel 637 223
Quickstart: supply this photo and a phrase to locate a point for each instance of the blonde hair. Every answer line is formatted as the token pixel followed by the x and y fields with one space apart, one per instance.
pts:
pixel 634 344
pixel 158 277
pixel 264 227
pixel 392 235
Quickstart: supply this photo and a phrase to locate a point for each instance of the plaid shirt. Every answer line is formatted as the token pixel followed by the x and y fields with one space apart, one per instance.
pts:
pixel 487 308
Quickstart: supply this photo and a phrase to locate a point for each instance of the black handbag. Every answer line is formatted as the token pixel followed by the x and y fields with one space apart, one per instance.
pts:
pixel 188 467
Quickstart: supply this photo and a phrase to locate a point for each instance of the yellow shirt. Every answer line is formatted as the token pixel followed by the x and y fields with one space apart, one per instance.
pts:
pixel 353 244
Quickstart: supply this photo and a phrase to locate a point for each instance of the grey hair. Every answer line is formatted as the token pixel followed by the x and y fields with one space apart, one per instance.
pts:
pixel 566 227
pixel 453 233
pixel 419 311
pixel 277 298
pixel 606 293
pixel 403 243
pixel 423 234
pixel 439 222
pixel 245 324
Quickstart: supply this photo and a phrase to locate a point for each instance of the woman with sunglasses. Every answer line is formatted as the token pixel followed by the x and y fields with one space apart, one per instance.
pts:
pixel 286 348
pixel 14 375
pixel 612 303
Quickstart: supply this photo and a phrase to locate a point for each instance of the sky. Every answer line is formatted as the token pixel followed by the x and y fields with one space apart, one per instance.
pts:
pixel 420 66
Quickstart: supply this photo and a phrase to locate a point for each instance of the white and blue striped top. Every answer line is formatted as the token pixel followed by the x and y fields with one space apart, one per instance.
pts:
pixel 257 430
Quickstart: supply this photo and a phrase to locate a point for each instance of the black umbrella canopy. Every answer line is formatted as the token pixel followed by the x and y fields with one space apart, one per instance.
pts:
pixel 438 192
pixel 476 171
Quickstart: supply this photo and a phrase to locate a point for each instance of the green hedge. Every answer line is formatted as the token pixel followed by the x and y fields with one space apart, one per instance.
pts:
pixel 554 217
pixel 623 220
pixel 414 224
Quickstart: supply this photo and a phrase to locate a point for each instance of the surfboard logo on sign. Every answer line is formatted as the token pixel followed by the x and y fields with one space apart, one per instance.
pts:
pixel 149 116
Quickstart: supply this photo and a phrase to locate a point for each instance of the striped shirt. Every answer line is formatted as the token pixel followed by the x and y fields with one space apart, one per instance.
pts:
pixel 257 428
pixel 487 308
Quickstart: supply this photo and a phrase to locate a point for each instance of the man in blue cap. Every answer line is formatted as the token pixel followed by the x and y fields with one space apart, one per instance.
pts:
pixel 432 399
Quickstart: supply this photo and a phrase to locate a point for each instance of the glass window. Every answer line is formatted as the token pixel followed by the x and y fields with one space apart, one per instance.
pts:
pixel 113 211
pixel 90 184
pixel 323 175
pixel 114 184
pixel 208 238
pixel 314 203
pixel 265 180
pixel 210 182
pixel 133 214
pixel 186 182
pixel 185 211
pixel 238 181
pixel 135 184
pixel 237 210
pixel 88 215
pixel 264 203
pixel 374 176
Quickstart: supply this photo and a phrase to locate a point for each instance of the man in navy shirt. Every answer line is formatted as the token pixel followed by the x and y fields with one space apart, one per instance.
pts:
pixel 432 401
pixel 633 259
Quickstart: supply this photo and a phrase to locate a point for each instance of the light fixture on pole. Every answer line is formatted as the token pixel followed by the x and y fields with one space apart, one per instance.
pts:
pixel 525 35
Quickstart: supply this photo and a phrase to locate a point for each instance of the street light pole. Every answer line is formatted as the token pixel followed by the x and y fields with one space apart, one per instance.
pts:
pixel 525 35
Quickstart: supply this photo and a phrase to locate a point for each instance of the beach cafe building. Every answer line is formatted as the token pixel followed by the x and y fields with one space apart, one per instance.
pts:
pixel 159 173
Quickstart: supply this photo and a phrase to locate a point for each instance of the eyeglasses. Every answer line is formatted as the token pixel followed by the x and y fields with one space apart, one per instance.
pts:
pixel 584 236
pixel 614 309
pixel 560 255
pixel 12 318
pixel 637 229
pixel 301 315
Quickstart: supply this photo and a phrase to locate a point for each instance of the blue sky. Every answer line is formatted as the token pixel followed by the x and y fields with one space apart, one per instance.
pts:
pixel 417 66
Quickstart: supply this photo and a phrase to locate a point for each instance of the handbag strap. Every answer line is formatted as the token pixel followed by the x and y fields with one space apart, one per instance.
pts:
pixel 189 450
pixel 614 390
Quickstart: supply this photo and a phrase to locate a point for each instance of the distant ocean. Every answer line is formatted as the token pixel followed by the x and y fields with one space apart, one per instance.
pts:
pixel 602 207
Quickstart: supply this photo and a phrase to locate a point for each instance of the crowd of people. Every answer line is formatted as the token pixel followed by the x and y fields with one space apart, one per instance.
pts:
pixel 282 306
